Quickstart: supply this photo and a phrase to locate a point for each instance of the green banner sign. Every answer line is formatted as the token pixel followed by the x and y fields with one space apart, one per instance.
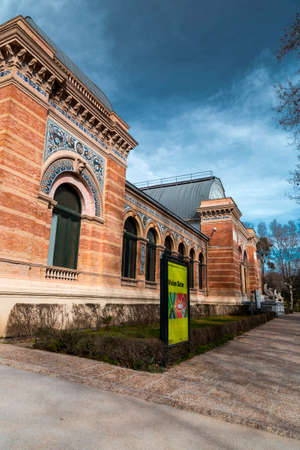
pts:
pixel 178 323
pixel 174 301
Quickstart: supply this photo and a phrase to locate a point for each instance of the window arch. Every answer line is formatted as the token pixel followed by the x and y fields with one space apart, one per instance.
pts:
pixel 168 245
pixel 151 255
pixel 201 271
pixel 65 228
pixel 129 248
pixel 191 271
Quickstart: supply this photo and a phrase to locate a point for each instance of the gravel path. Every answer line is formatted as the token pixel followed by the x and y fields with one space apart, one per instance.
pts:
pixel 253 380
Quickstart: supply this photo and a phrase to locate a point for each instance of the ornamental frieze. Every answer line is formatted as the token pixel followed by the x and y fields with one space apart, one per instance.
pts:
pixel 5 73
pixel 58 139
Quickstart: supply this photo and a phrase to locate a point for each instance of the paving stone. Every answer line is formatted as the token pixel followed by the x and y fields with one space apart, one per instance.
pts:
pixel 252 380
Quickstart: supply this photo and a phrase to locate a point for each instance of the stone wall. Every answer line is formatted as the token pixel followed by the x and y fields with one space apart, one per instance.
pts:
pixel 25 318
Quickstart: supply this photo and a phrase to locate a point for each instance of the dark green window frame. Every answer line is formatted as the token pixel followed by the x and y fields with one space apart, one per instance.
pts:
pixel 201 271
pixel 191 271
pixel 151 255
pixel 65 228
pixel 129 249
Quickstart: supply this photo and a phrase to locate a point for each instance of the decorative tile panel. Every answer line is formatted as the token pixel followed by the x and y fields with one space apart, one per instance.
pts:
pixel 85 130
pixel 6 72
pixel 119 154
pixel 58 139
pixel 86 176
pixel 58 167
pixel 126 208
pixel 78 124
pixel 66 165
pixel 141 216
pixel 162 228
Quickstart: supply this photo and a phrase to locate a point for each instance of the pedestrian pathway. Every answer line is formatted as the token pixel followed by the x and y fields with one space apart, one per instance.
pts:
pixel 40 412
pixel 253 380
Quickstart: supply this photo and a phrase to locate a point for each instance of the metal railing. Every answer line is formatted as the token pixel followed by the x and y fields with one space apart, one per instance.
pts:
pixel 174 179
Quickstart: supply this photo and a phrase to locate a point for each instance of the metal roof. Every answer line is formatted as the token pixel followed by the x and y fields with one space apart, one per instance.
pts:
pixel 71 66
pixel 184 198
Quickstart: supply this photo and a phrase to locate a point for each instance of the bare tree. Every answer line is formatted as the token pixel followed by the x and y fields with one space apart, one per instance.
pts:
pixel 263 246
pixel 289 98
pixel 285 253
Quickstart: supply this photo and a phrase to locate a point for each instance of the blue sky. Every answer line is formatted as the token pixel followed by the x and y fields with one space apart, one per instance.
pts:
pixel 195 81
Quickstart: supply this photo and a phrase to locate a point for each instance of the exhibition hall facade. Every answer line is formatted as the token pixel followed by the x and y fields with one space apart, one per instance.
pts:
pixel 73 230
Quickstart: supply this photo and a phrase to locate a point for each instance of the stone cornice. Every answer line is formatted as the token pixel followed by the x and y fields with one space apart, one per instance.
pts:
pixel 218 208
pixel 21 47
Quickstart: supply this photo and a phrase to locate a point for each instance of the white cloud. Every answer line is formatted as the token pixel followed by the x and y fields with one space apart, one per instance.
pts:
pixel 235 135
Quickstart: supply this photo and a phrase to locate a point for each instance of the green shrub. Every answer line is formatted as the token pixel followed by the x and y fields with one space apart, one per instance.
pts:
pixel 123 346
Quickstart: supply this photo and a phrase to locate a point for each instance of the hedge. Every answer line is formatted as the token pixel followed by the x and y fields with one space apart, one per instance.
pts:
pixel 139 353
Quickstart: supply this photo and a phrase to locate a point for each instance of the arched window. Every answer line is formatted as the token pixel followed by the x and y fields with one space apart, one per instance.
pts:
pixel 181 250
pixel 192 278
pixel 245 264
pixel 151 255
pixel 168 245
pixel 201 271
pixel 241 270
pixel 65 228
pixel 129 248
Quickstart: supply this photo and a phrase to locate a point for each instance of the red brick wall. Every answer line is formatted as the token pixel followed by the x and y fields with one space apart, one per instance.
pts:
pixel 223 276
pixel 112 230
pixel 24 221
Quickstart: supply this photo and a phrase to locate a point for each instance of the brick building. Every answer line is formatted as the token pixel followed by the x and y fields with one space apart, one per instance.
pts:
pixel 73 231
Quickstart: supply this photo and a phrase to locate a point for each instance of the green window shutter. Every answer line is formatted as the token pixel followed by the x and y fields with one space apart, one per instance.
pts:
pixel 67 224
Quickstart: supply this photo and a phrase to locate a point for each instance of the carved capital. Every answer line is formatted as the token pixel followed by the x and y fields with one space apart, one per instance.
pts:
pixel 31 67
pixel 67 102
pixel 2 59
pixel 83 116
pixel 41 75
pixel 75 109
pixel 91 122
pixel 8 55
pixel 49 84
pixel 59 94
pixel 19 58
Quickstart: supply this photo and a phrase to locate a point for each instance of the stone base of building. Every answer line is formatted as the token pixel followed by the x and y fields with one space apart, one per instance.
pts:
pixel 26 306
